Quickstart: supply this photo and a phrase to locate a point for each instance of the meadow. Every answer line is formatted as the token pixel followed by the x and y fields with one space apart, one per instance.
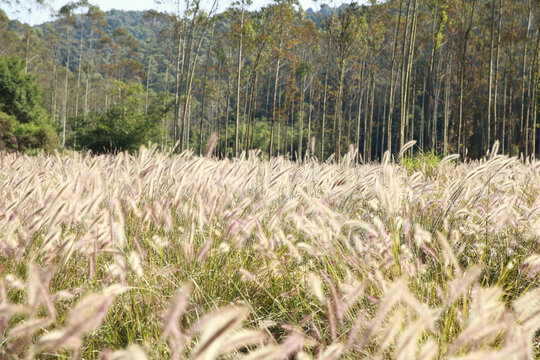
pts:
pixel 156 255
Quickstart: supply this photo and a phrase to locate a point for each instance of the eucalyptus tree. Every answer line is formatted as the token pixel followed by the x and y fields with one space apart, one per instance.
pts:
pixel 466 11
pixel 205 80
pixel 302 71
pixel 528 8
pixel 68 20
pixel 240 8
pixel 343 28
pixel 490 74
pixel 96 23
pixel 391 87
pixel 281 21
pixel 200 21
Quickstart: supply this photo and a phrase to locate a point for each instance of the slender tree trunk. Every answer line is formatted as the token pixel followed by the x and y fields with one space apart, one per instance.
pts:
pixel 55 86
pixel 383 126
pixel 339 110
pixel 227 118
pixel 238 77
pixel 461 139
pixel 205 78
pixel 279 139
pixel 359 119
pixel 179 68
pixel 309 140
pixel 90 50
pixel 530 106
pixel 274 104
pixel 254 96
pixel 192 62
pixel 301 120
pixel 349 118
pixel 27 51
pixel 437 95
pixel 503 142
pixel 147 85
pixel 403 86
pixel 496 89
pixel 79 67
pixel 446 108
pixel 423 115
pixel 323 125
pixel 392 70
pixel 371 111
pixel 360 98
pixel 366 116
pixel 64 109
pixel 524 78
pixel 432 78
pixel 410 90
pixel 534 82
pixel 490 77
pixel 292 129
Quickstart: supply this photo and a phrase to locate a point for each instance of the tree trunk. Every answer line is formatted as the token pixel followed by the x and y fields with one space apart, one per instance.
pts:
pixel 55 86
pixel 461 140
pixel 490 78
pixel 227 118
pixel 79 67
pixel 205 79
pixel 64 109
pixel 403 86
pixel 437 95
pixel 274 104
pixel 496 86
pixel 392 70
pixel 360 98
pixel 301 120
pixel 446 108
pixel 180 55
pixel 366 116
pixel 534 81
pixel 371 111
pixel 192 62
pixel 524 79
pixel 323 125
pixel 503 142
pixel 339 109
pixel 238 77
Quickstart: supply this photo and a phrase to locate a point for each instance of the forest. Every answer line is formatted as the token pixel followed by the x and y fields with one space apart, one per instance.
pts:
pixel 455 76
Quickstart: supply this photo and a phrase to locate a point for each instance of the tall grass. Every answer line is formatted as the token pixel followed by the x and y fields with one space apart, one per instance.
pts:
pixel 159 256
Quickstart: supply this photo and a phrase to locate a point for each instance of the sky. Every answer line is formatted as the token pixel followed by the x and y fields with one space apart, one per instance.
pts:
pixel 38 15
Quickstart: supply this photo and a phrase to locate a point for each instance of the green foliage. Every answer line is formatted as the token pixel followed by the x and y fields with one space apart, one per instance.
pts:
pixel 124 126
pixel 24 124
pixel 423 161
pixel 7 139
pixel 35 135
pixel 19 94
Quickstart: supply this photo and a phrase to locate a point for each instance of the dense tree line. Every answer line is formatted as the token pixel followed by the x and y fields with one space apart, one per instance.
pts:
pixel 453 75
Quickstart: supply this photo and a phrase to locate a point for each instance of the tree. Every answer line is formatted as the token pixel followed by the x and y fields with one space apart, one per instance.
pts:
pixel 125 125
pixel 344 29
pixel 22 116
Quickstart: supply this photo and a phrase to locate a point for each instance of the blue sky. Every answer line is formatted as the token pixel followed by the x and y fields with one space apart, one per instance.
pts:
pixel 39 15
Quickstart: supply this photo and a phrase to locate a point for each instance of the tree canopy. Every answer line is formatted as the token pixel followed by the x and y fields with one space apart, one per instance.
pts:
pixel 24 123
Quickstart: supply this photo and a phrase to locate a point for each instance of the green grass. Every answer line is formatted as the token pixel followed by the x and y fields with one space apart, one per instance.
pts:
pixel 259 240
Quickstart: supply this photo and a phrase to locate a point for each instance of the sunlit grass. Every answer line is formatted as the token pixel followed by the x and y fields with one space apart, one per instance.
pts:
pixel 423 258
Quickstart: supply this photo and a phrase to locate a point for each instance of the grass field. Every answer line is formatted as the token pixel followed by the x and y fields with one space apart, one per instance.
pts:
pixel 159 256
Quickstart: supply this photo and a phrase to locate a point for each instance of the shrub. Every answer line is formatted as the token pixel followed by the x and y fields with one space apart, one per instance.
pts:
pixel 24 124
